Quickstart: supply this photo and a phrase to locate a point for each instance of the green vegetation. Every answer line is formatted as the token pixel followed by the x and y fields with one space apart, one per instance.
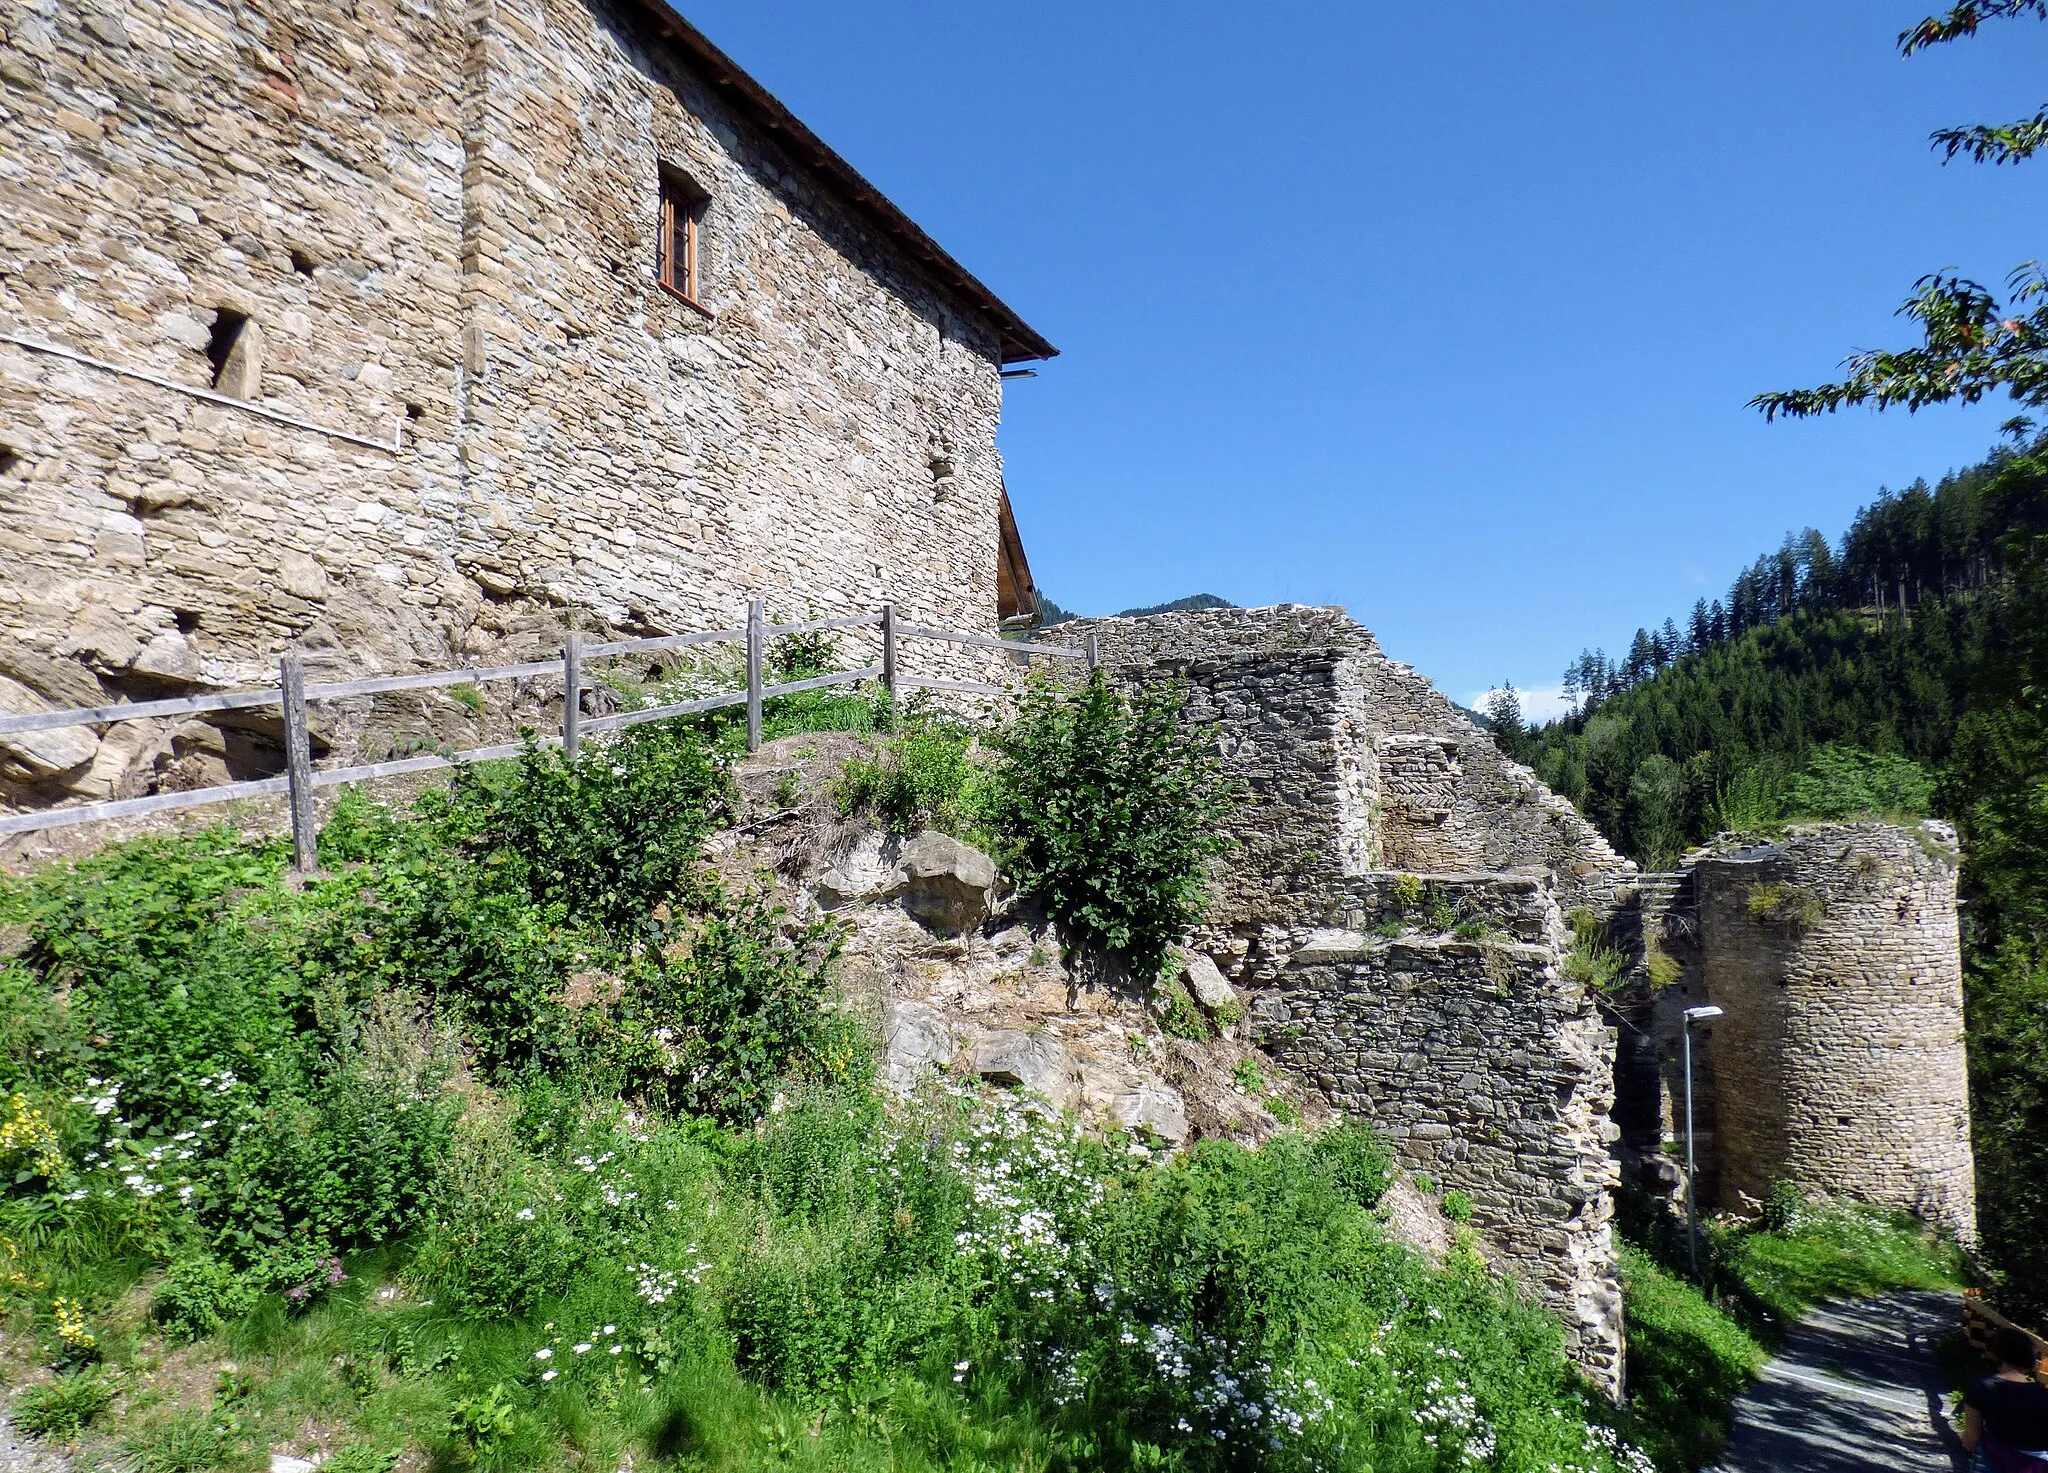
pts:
pixel 1693 1347
pixel 920 777
pixel 1687 1361
pixel 1903 671
pixel 1106 806
pixel 515 1139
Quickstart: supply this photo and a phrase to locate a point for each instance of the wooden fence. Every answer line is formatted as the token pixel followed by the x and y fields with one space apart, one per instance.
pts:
pixel 300 779
pixel 1980 1318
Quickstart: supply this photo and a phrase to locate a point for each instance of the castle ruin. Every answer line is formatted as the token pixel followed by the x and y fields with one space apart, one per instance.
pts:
pixel 1399 912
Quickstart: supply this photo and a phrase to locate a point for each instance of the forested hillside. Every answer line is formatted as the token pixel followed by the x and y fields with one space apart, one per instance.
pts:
pixel 1902 671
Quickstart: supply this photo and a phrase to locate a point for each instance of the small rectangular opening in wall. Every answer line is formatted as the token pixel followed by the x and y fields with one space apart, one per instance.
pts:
pixel 234 347
pixel 10 459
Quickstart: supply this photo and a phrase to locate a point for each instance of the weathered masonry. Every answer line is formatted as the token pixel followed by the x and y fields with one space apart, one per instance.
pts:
pixel 1838 1063
pixel 392 331
pixel 1394 913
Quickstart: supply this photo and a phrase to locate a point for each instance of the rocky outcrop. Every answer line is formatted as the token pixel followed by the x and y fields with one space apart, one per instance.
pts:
pixel 947 885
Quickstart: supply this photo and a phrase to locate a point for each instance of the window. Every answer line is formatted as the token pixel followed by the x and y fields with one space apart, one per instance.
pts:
pixel 678 248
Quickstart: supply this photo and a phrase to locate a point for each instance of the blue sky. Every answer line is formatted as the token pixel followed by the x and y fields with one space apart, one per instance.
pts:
pixel 1447 312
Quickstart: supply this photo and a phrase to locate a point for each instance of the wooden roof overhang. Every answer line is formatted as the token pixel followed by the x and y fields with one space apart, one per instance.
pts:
pixel 1019 342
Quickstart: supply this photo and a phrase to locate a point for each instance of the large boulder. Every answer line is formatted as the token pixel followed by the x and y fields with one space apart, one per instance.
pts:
pixel 866 872
pixel 948 885
pixel 1133 1100
pixel 917 1040
pixel 41 756
pixel 1029 1061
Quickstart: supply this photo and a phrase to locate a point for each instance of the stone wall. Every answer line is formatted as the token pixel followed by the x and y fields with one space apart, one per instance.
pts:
pixel 1396 982
pixel 1352 762
pixel 1840 1063
pixel 1484 1066
pixel 437 220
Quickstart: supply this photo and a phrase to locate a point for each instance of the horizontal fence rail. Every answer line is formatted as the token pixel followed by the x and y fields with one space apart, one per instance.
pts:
pixel 292 694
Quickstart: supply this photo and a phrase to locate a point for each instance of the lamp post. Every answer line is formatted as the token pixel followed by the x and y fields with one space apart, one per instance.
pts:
pixel 1692 1211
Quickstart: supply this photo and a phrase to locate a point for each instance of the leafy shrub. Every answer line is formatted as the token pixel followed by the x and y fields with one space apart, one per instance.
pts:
pixel 501 1241
pixel 1107 808
pixel 201 1294
pixel 64 1407
pixel 1358 1161
pixel 608 837
pixel 1458 1206
pixel 1841 781
pixel 343 1149
pixel 920 778
pixel 725 1006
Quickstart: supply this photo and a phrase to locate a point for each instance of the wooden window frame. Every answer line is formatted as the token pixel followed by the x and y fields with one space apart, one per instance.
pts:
pixel 680 242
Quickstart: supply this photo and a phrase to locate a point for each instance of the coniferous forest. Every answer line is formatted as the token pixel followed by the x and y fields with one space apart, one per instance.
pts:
pixel 1903 672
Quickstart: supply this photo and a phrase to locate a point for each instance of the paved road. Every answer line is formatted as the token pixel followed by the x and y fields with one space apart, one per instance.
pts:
pixel 1856 1388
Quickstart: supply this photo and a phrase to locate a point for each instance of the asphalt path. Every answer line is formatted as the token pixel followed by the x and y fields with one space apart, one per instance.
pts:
pixel 1855 1388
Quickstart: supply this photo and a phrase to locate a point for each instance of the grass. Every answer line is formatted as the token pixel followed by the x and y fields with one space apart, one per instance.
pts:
pixel 1826 1252
pixel 1691 1353
pixel 1687 1361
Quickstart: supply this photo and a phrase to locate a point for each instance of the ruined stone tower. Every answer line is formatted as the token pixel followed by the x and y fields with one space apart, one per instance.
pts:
pixel 1838 1064
pixel 1839 1061
pixel 1394 913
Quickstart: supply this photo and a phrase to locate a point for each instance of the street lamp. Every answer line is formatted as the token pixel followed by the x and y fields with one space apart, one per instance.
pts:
pixel 1692 1211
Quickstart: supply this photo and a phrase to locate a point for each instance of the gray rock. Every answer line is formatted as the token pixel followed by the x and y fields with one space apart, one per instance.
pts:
pixel 1332 945
pixel 948 886
pixel 39 756
pixel 102 641
pixel 1029 1061
pixel 1205 983
pixel 917 1040
pixel 168 657
pixel 1152 1107
pixel 867 872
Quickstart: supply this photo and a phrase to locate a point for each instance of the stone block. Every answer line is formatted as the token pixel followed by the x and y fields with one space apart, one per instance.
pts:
pixel 947 885
pixel 1029 1061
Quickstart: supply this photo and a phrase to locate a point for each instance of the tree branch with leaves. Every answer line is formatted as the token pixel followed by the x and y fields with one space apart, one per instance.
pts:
pixel 1971 344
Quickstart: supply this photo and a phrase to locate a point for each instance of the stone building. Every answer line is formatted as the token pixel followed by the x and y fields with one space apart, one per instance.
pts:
pixel 393 331
pixel 1838 1064
pixel 1394 913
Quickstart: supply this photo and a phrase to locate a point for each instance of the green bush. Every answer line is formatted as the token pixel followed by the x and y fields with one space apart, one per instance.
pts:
pixel 501 1241
pixel 1107 808
pixel 201 1294
pixel 724 1006
pixel 921 777
pixel 606 838
pixel 62 1408
pixel 1841 781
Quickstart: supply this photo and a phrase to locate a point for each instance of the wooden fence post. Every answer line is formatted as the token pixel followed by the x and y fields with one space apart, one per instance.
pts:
pixel 755 639
pixel 889 656
pixel 298 764
pixel 572 694
pixel 1094 656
